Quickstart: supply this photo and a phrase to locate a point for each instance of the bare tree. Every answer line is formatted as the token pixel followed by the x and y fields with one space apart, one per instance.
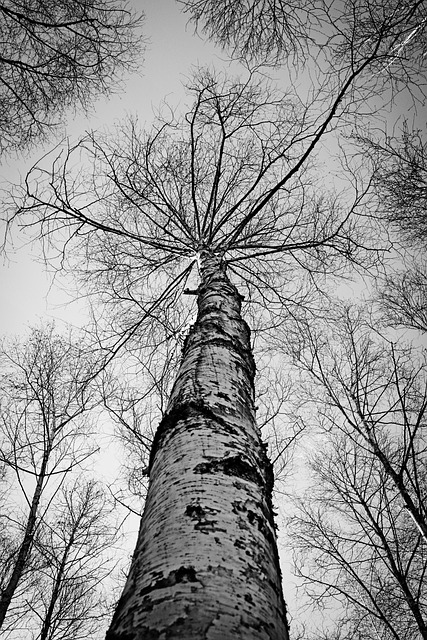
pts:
pixel 254 29
pixel 364 533
pixel 219 208
pixel 45 395
pixel 172 212
pixel 400 180
pixel 391 38
pixel 76 546
pixel 378 388
pixel 362 560
pixel 399 166
pixel 59 55
pixel 402 296
pixel 134 417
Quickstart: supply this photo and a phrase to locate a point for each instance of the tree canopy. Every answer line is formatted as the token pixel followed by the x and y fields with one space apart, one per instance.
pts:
pixel 59 55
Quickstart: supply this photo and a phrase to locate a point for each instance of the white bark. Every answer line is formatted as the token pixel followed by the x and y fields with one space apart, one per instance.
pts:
pixel 206 564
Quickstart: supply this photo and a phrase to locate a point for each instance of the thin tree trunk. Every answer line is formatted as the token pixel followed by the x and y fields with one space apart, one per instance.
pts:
pixel 26 544
pixel 206 564
pixel 47 622
pixel 397 478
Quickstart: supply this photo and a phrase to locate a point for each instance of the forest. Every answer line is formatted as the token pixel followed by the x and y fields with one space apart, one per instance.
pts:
pixel 221 434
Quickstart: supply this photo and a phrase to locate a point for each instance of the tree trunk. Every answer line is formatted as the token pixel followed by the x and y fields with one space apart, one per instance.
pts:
pixel 206 565
pixel 19 567
pixel 58 582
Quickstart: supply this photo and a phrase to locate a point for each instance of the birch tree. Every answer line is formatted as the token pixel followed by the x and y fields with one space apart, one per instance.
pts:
pixel 181 225
pixel 215 207
pixel 44 398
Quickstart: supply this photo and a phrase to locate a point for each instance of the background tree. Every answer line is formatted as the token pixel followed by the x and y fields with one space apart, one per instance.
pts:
pixel 402 296
pixel 76 546
pixel 400 181
pixel 332 37
pixel 399 166
pixel 361 559
pixel 45 396
pixel 361 534
pixel 134 415
pixel 56 56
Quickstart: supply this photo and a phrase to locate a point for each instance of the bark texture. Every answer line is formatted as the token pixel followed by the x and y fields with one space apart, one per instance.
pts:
pixel 206 565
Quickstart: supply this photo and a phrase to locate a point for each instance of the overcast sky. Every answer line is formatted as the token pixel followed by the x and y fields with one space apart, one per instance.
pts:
pixel 26 293
pixel 173 49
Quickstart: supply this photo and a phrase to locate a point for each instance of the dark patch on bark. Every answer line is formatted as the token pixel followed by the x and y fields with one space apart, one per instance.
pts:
pixel 268 473
pixel 258 626
pixel 112 635
pixel 195 511
pixel 219 570
pixel 252 574
pixel 179 621
pixel 184 412
pixel 223 395
pixel 231 466
pixel 254 518
pixel 179 412
pixel 259 519
pixel 201 516
pixel 183 574
pixel 146 633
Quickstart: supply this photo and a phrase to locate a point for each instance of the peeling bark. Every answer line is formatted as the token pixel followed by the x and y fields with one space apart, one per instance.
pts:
pixel 206 564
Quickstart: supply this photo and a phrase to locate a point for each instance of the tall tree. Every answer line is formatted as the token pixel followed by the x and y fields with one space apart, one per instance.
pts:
pixel 224 189
pixel 206 556
pixel 57 55
pixel 45 394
